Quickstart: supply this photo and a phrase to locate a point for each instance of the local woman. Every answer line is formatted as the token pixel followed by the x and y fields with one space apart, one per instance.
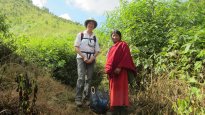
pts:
pixel 119 62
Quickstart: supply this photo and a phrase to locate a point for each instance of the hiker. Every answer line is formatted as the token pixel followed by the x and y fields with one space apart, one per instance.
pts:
pixel 119 62
pixel 87 48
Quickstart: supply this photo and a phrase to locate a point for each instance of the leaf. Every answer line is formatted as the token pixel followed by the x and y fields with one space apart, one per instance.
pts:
pixel 182 104
pixel 187 47
pixel 192 80
pixel 198 65
pixel 201 54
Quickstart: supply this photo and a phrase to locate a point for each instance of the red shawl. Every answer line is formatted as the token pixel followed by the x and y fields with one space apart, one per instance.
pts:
pixel 119 57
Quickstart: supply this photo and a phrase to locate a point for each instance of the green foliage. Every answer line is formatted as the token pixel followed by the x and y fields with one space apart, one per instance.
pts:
pixel 3 25
pixel 184 56
pixel 67 73
pixel 191 104
pixel 25 89
pixel 50 52
pixel 57 55
pixel 4 33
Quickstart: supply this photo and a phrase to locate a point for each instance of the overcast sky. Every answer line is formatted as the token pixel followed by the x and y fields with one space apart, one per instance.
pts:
pixel 79 10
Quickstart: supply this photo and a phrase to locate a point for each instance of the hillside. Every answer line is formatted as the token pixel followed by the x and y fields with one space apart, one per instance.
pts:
pixel 35 49
pixel 27 19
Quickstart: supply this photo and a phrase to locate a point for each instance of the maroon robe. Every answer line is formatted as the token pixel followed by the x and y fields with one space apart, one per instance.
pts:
pixel 119 57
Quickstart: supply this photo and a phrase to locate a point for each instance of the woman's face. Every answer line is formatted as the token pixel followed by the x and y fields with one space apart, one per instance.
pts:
pixel 90 25
pixel 115 37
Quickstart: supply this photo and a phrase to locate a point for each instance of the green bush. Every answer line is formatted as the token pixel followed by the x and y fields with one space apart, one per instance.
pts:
pixel 3 25
pixel 67 74
pixel 57 55
pixel 4 50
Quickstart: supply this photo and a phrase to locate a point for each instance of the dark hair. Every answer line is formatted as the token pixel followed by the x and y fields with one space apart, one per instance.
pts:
pixel 90 20
pixel 116 32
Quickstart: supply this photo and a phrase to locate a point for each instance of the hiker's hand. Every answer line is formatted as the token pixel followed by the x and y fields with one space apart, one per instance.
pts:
pixel 117 71
pixel 85 59
pixel 91 60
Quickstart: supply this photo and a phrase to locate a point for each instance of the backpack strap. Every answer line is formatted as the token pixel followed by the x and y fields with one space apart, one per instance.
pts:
pixel 94 39
pixel 82 35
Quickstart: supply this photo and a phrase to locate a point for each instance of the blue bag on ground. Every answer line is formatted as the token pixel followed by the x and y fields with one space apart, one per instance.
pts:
pixel 99 101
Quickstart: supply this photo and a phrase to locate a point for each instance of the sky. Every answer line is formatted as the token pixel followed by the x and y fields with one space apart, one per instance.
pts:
pixel 79 10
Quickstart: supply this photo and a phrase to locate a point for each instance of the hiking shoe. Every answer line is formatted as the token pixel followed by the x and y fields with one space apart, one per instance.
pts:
pixel 78 103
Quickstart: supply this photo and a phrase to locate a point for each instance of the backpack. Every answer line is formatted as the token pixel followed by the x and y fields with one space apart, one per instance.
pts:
pixel 99 101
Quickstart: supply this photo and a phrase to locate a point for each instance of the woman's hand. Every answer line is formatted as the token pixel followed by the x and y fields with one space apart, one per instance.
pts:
pixel 117 71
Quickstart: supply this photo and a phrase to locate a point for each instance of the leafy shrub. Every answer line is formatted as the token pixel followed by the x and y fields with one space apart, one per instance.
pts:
pixel 26 87
pixel 55 54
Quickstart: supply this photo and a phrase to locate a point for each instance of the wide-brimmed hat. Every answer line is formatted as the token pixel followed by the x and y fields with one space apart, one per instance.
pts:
pixel 90 20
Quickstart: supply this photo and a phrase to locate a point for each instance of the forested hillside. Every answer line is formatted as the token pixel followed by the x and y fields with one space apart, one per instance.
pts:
pixel 29 20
